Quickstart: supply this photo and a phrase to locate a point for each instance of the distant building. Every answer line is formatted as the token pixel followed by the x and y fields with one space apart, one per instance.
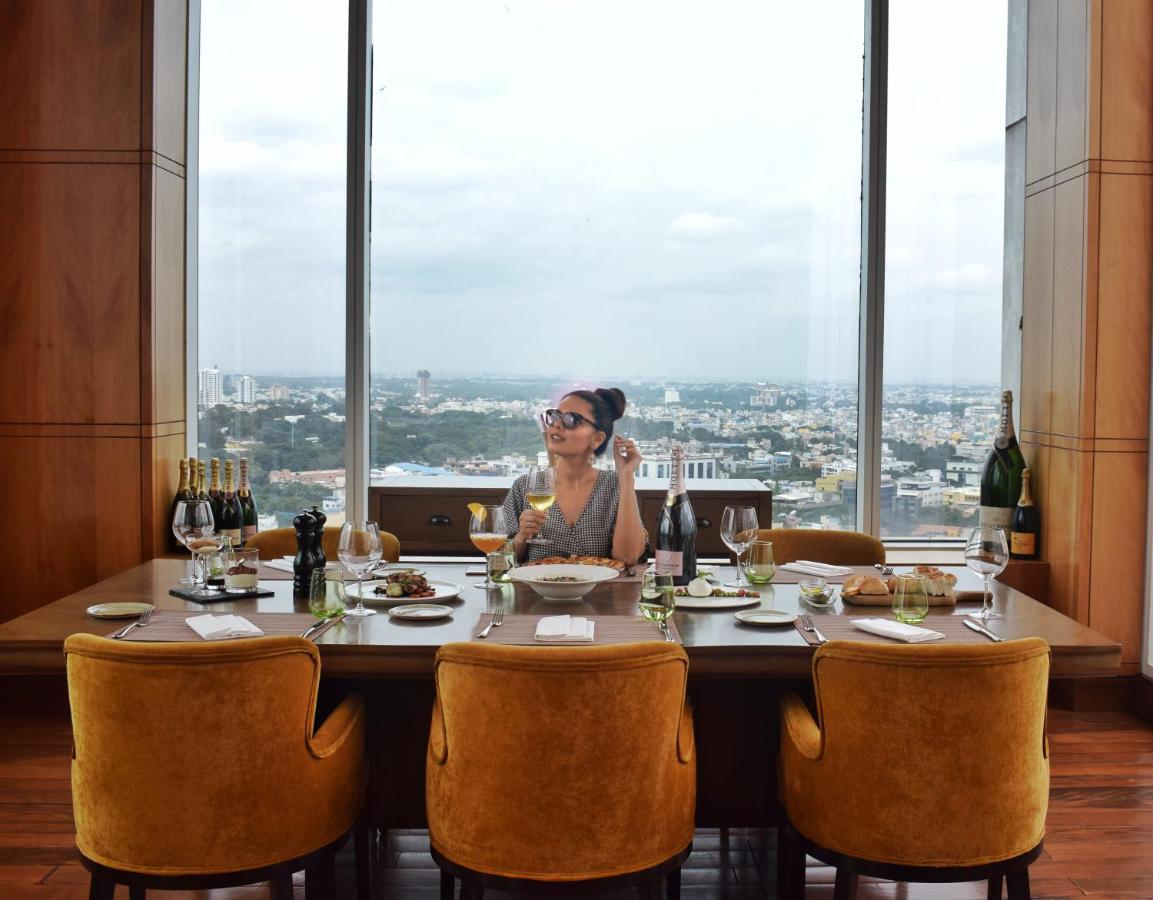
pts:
pixel 278 393
pixel 423 379
pixel 209 388
pixel 766 395
pixel 246 390
pixel 962 470
pixel 672 395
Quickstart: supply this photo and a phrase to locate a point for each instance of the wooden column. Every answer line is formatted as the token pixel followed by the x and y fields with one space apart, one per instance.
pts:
pixel 1088 283
pixel 92 204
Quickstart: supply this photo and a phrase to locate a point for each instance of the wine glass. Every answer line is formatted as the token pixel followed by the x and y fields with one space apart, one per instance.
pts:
pixel 738 530
pixel 191 520
pixel 658 599
pixel 540 491
pixel 488 530
pixel 359 551
pixel 326 594
pixel 987 554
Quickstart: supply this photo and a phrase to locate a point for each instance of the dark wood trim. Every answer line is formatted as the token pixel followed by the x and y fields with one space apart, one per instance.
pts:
pixel 473 884
pixel 1143 698
pixel 1094 694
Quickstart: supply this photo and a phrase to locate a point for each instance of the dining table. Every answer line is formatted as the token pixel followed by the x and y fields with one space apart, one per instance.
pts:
pixel 737 671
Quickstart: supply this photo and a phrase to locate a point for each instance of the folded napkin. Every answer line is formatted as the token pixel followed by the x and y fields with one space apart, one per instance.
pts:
pixel 805 567
pixel 564 628
pixel 219 628
pixel 899 631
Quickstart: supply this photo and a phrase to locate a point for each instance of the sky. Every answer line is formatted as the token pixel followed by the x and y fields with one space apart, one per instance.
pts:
pixel 628 188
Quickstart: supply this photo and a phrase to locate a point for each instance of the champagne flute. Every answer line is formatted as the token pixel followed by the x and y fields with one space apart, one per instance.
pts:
pixel 359 551
pixel 738 530
pixel 192 519
pixel 488 531
pixel 326 595
pixel 987 554
pixel 540 492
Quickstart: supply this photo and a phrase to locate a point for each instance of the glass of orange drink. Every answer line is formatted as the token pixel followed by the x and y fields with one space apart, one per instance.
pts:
pixel 488 530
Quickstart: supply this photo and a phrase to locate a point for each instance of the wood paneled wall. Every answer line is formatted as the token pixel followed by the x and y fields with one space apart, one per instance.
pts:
pixel 92 418
pixel 1088 289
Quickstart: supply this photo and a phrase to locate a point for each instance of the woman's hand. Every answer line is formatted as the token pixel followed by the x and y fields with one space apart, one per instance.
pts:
pixel 626 456
pixel 530 523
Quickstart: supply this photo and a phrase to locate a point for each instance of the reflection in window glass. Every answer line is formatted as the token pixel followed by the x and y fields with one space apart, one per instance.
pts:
pixel 943 262
pixel 662 197
pixel 272 225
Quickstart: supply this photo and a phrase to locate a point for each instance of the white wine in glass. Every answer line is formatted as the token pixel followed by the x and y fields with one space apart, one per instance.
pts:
pixel 540 492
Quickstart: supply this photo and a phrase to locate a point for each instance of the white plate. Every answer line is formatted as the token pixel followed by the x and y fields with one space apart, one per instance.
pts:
pixel 716 602
pixel 118 610
pixel 765 617
pixel 421 611
pixel 445 590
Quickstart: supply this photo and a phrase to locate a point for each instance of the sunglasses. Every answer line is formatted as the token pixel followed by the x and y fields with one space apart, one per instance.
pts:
pixel 568 420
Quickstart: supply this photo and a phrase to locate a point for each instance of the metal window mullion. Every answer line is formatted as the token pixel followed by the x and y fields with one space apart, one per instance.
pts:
pixel 357 261
pixel 872 328
pixel 192 232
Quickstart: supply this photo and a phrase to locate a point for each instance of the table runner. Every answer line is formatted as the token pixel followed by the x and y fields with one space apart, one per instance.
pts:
pixel 841 628
pixel 519 631
pixel 169 625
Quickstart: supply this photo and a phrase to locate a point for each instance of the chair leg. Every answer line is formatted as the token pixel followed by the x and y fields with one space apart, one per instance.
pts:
pixel 136 892
pixel 282 886
pixel 846 886
pixel 673 885
pixel 471 890
pixel 791 866
pixel 362 850
pixel 447 886
pixel 995 885
pixel 1018 883
pixel 320 878
pixel 100 888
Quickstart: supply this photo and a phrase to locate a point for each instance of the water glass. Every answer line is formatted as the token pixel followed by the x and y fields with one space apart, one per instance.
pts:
pixel 759 565
pixel 911 599
pixel 326 596
pixel 359 551
pixel 987 554
pixel 738 530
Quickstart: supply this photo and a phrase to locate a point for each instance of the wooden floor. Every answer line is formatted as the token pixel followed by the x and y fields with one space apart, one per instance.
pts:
pixel 1098 842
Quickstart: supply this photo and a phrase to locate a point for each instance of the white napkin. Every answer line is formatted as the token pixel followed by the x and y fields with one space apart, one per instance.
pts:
pixel 564 628
pixel 805 567
pixel 910 634
pixel 219 628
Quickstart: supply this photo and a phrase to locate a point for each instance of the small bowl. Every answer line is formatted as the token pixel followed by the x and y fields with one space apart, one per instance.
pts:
pixel 817 592
pixel 537 577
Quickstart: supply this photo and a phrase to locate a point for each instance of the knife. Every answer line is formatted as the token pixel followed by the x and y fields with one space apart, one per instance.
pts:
pixel 984 631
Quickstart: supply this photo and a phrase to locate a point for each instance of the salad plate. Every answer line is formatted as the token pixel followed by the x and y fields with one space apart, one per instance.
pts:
pixel 423 611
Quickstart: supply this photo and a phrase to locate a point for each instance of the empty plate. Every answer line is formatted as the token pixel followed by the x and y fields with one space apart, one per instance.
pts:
pixel 118 610
pixel 421 611
pixel 765 617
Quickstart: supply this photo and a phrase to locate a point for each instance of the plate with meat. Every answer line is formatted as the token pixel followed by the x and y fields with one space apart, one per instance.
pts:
pixel 403 587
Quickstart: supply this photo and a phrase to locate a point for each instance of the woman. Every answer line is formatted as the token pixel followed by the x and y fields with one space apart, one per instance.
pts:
pixel 596 511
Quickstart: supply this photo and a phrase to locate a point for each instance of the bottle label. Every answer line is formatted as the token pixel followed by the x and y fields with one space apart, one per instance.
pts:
pixel 233 533
pixel 670 562
pixel 248 531
pixel 996 515
pixel 1023 543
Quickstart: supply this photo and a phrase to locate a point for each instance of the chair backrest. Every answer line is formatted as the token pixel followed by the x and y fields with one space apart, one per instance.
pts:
pixel 560 762
pixel 277 542
pixel 186 753
pixel 838 548
pixel 939 751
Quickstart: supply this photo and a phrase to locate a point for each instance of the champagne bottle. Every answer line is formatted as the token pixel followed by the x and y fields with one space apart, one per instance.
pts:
pixel 1001 477
pixel 248 517
pixel 229 522
pixel 1026 523
pixel 182 493
pixel 192 482
pixel 214 493
pixel 676 552
pixel 201 481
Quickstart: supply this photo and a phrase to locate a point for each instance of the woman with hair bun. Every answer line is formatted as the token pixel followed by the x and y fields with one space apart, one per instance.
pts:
pixel 596 511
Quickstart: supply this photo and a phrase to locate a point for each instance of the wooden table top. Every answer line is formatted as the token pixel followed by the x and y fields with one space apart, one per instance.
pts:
pixel 717 644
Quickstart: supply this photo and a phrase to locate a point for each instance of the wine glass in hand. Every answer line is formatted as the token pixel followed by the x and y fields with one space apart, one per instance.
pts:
pixel 488 531
pixel 540 492
pixel 359 551
pixel 987 554
pixel 738 530
pixel 192 519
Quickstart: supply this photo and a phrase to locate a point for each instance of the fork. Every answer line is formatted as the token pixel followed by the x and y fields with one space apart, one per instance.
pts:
pixel 139 623
pixel 497 620
pixel 807 625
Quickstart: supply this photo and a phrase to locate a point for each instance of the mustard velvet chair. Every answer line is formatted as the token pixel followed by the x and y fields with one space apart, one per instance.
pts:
pixel 549 766
pixel 925 764
pixel 837 548
pixel 195 765
pixel 277 542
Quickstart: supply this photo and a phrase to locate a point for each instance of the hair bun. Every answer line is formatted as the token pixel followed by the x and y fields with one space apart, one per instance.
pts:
pixel 614 398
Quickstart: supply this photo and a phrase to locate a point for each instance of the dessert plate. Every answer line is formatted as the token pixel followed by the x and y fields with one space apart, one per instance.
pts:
pixel 424 611
pixel 118 610
pixel 765 616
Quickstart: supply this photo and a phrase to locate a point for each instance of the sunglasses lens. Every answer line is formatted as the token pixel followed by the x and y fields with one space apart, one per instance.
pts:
pixel 572 420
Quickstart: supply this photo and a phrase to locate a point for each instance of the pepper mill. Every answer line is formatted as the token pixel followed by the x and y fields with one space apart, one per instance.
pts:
pixel 307 547
pixel 318 530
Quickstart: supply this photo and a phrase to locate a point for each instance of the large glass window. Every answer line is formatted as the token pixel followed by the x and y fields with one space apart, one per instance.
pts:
pixel 659 196
pixel 943 271
pixel 273 99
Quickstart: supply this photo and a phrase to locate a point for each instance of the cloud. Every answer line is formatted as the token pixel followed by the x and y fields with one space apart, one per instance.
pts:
pixel 703 226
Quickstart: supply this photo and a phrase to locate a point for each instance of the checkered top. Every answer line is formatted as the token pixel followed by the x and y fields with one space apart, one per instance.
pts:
pixel 592 535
